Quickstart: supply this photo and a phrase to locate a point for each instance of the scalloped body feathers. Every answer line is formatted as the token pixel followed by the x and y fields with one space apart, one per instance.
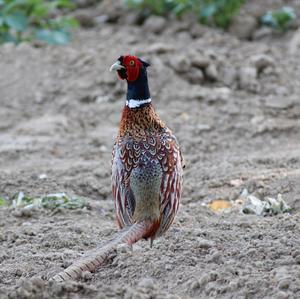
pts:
pixel 146 172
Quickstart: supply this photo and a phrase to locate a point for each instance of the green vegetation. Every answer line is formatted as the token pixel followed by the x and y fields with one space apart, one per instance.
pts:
pixel 2 202
pixel 217 12
pixel 27 20
pixel 279 19
pixel 50 201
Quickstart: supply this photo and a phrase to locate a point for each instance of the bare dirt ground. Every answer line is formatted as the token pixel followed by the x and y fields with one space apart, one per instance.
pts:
pixel 237 120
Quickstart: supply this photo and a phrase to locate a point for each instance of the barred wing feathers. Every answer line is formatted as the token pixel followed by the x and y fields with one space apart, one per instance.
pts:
pixel 129 153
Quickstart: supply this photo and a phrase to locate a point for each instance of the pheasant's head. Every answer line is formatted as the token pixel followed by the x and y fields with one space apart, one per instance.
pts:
pixel 129 67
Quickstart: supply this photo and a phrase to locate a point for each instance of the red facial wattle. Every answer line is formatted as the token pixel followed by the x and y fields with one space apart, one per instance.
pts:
pixel 132 66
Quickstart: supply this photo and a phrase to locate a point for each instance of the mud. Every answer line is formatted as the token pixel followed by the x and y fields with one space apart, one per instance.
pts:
pixel 237 120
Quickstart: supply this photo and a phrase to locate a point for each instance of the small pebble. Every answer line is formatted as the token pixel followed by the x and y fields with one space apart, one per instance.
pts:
pixel 160 48
pixel 37 281
pixel 215 257
pixel 146 283
pixel 211 72
pixel 261 61
pixel 284 284
pixel 199 61
pixel 243 26
pixel 18 272
pixel 180 63
pixel 281 295
pixel 195 285
pixel 205 244
pixel 195 76
pixel 247 78
pixel 155 24
pixel 297 259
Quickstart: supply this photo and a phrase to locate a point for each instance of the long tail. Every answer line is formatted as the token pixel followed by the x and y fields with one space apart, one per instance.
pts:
pixel 95 259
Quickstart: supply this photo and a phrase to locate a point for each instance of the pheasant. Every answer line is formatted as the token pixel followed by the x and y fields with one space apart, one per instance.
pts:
pixel 147 171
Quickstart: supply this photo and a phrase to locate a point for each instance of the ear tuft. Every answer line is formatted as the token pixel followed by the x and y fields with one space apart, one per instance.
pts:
pixel 145 64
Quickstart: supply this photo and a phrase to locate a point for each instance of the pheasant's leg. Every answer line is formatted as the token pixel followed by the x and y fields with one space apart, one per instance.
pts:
pixel 151 242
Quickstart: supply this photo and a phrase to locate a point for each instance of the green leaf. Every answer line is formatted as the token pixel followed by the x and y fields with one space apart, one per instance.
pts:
pixel 2 202
pixel 61 200
pixel 17 21
pixel 9 7
pixel 7 37
pixel 65 23
pixel 39 11
pixel 64 4
pixel 268 20
pixel 279 19
pixel 53 37
pixel 208 11
pixel 179 9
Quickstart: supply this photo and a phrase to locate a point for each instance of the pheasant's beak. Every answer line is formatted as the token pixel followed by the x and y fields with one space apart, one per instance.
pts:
pixel 116 66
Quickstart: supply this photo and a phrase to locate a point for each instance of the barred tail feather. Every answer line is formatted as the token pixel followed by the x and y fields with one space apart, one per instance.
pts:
pixel 93 260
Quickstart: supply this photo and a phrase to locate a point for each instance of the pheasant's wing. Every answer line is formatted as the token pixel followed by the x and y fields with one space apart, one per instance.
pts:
pixel 127 155
pixel 123 161
pixel 171 161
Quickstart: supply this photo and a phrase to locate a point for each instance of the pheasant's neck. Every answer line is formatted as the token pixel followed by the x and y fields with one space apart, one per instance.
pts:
pixel 138 94
pixel 137 122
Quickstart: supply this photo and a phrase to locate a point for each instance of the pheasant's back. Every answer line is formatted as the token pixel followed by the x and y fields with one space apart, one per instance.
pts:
pixel 146 175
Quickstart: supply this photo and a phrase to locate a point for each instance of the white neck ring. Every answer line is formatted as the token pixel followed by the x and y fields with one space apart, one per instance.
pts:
pixel 132 103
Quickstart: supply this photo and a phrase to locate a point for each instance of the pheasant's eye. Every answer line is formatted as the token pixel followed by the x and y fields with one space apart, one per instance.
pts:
pixel 131 62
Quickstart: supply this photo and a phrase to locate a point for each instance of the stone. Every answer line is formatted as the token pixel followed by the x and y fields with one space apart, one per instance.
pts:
pixel 155 24
pixel 282 295
pixel 284 284
pixel 160 48
pixel 199 61
pixel 202 128
pixel 297 259
pixel 204 280
pixel 195 76
pixel 295 254
pixel 205 244
pixel 211 72
pixel 38 282
pixel 229 75
pixel 247 78
pixel 85 20
pixel 262 33
pixel 280 102
pixel 180 63
pixel 243 26
pixel 218 94
pixel 113 10
pixel 146 283
pixel 194 285
pixel 236 182
pixel 215 257
pixel 197 30
pixel 262 61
